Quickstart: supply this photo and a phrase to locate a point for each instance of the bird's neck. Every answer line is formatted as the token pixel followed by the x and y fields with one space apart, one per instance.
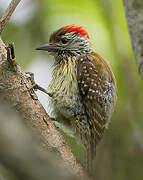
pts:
pixel 64 66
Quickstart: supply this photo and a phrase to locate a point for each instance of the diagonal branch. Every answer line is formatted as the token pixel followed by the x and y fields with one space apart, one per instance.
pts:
pixel 14 88
pixel 22 154
pixel 7 14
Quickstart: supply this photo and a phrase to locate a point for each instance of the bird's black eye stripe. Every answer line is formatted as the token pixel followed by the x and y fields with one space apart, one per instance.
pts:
pixel 64 40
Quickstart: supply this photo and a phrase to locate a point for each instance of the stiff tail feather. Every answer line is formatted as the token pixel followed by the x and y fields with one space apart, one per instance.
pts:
pixel 90 158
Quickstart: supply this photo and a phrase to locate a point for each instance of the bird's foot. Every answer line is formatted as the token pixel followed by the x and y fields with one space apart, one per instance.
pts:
pixel 35 86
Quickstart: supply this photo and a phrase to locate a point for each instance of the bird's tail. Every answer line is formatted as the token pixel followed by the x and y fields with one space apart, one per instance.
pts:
pixel 90 155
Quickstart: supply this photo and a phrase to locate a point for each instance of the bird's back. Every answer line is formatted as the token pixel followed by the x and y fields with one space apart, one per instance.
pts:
pixel 97 88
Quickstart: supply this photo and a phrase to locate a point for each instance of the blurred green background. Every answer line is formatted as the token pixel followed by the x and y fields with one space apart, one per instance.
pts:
pixel 120 154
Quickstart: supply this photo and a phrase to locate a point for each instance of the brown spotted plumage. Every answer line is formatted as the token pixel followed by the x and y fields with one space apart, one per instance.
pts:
pixel 97 89
pixel 83 87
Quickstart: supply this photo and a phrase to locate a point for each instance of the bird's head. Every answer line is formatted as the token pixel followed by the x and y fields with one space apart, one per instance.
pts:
pixel 68 41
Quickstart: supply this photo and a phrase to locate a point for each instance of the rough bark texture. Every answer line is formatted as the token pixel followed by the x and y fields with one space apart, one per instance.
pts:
pixel 134 16
pixel 14 87
pixel 22 154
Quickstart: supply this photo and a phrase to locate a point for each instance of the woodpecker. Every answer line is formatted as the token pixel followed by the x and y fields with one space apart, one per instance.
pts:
pixel 83 87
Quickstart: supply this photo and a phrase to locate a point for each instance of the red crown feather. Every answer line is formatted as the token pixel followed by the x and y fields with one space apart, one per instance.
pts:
pixel 79 30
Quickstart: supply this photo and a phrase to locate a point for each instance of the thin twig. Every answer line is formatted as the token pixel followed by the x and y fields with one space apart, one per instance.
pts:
pixel 7 14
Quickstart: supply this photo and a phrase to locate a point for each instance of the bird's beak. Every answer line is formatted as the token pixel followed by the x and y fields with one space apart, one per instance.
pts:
pixel 48 47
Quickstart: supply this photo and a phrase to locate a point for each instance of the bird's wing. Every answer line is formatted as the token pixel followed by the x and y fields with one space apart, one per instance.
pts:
pixel 97 90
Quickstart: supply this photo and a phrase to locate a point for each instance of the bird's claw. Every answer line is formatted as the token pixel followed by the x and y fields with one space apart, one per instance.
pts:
pixel 34 85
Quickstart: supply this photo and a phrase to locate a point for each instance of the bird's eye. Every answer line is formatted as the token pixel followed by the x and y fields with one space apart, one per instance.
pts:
pixel 64 40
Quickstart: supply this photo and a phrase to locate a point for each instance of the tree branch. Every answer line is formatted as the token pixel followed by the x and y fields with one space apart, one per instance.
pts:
pixel 134 17
pixel 7 14
pixel 22 154
pixel 14 88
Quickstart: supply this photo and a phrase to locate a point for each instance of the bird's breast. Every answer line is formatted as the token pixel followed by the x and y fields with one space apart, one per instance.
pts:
pixel 64 88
